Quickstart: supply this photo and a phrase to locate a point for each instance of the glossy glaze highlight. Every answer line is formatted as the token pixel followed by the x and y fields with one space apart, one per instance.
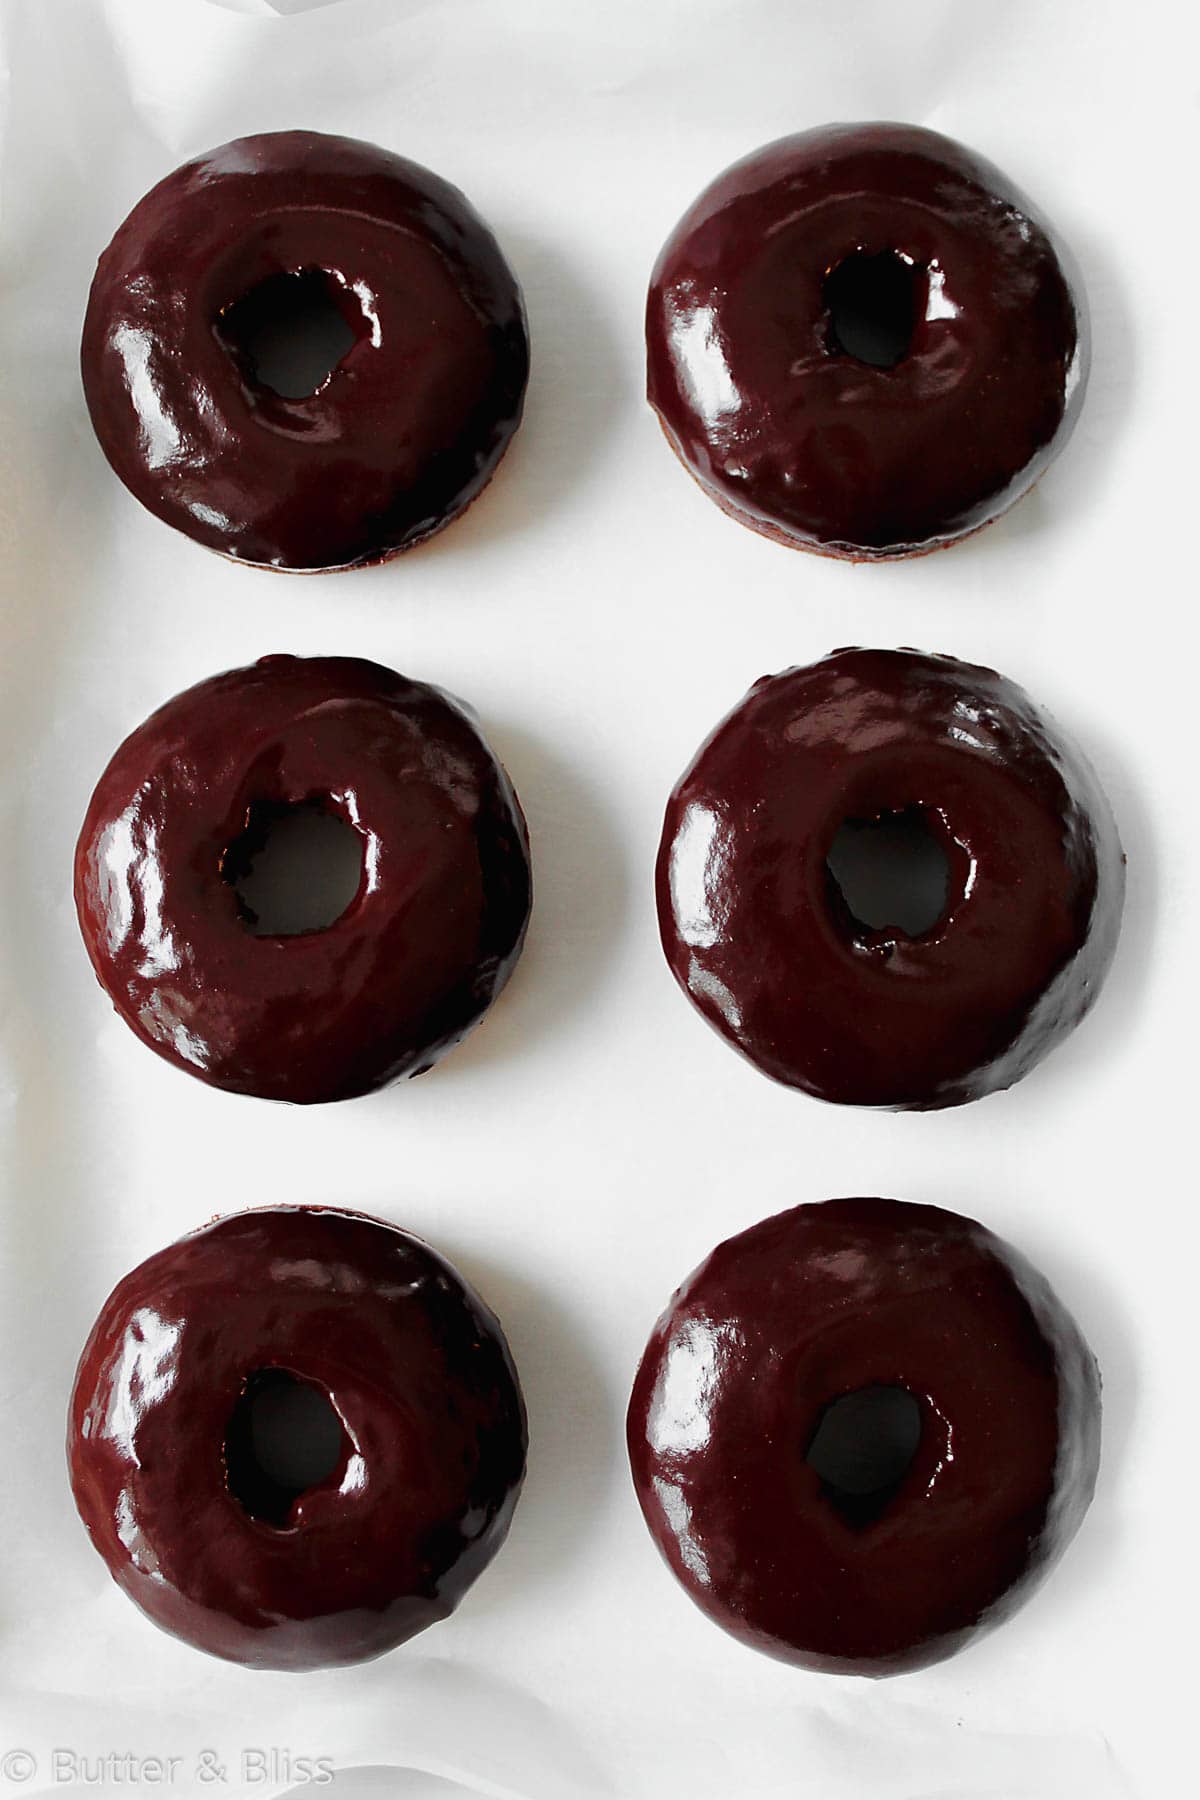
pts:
pixel 829 1300
pixel 420 1376
pixel 411 423
pixel 409 968
pixel 814 447
pixel 754 928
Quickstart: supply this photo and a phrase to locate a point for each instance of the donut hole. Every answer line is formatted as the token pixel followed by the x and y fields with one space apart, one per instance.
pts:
pixel 284 1438
pixel 873 307
pixel 891 873
pixel 294 869
pixel 862 1449
pixel 290 332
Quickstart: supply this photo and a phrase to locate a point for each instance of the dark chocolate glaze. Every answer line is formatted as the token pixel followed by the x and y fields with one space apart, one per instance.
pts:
pixel 420 1376
pixel 823 1301
pixel 757 934
pixel 405 431
pixel 412 964
pixel 803 442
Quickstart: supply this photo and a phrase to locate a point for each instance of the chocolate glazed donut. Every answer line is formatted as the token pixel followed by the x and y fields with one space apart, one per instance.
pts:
pixel 863 340
pixel 759 935
pixel 412 964
pixel 422 1473
pixel 862 1433
pixel 397 439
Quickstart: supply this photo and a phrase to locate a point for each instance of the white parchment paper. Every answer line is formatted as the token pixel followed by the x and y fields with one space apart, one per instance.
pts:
pixel 593 1140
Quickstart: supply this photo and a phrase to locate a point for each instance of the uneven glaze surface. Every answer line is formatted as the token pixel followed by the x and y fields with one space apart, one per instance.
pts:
pixel 413 963
pixel 758 936
pixel 824 1301
pixel 420 1376
pixel 805 443
pixel 405 431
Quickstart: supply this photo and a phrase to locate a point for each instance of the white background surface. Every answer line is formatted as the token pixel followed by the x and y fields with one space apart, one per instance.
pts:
pixel 593 1140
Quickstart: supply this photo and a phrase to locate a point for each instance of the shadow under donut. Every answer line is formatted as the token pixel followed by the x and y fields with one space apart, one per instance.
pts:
pixel 581 897
pixel 578 385
pixel 576 1454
